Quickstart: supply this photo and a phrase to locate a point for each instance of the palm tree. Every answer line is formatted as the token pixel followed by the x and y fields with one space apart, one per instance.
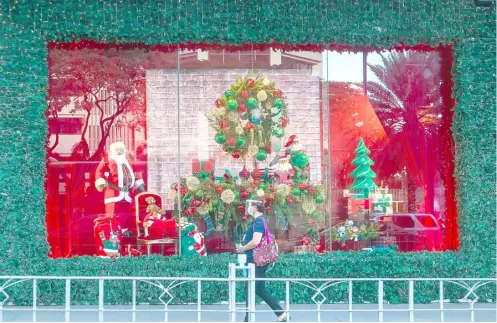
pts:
pixel 408 102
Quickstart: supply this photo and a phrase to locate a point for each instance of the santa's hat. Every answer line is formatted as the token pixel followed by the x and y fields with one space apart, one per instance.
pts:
pixel 291 141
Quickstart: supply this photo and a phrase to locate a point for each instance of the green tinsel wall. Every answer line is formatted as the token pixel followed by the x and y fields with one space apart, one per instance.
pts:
pixel 27 26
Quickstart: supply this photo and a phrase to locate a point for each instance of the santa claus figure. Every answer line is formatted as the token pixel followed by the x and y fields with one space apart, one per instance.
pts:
pixel 192 241
pixel 284 171
pixel 116 178
pixel 199 245
pixel 293 145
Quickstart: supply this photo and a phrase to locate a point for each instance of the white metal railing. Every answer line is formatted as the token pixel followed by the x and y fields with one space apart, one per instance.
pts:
pixel 167 286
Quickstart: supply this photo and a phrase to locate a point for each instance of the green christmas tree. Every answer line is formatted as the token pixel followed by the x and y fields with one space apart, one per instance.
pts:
pixel 363 175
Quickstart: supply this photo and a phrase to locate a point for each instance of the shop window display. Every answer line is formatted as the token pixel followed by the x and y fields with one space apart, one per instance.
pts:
pixel 154 150
pixel 392 151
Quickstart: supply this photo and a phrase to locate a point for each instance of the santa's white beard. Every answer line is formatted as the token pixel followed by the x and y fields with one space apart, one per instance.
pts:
pixel 120 159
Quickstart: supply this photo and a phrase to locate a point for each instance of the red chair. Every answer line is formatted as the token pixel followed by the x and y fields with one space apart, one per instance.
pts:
pixel 142 236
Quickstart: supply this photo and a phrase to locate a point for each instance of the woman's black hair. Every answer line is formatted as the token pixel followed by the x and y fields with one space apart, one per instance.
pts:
pixel 259 204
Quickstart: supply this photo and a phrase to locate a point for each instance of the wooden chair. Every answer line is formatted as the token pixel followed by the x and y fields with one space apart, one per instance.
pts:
pixel 142 236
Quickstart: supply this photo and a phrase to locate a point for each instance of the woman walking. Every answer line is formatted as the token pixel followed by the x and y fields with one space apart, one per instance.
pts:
pixel 255 233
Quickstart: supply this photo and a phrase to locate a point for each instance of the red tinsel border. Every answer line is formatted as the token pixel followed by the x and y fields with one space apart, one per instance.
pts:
pixel 74 45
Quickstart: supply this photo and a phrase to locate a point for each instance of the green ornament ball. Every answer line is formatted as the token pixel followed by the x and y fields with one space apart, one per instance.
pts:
pixel 299 159
pixel 237 194
pixel 228 94
pixel 279 132
pixel 262 186
pixel 261 155
pixel 306 192
pixel 319 199
pixel 220 138
pixel 253 195
pixel 295 191
pixel 232 105
pixel 240 141
pixel 277 103
pixel 283 202
pixel 251 103
pixel 231 148
pixel 187 200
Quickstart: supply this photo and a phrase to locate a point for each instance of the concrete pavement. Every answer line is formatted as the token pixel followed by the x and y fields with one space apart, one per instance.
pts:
pixel 219 313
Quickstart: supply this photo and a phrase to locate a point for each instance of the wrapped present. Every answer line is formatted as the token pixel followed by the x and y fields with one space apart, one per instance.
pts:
pixel 382 203
pixel 355 207
pixel 203 169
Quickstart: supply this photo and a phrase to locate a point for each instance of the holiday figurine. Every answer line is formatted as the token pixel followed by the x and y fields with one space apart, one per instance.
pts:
pixel 116 178
pixel 192 242
pixel 293 145
pixel 285 171
pixel 107 234
pixel 154 223
pixel 342 234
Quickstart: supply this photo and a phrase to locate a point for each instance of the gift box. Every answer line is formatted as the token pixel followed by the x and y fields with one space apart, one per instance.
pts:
pixel 382 203
pixel 203 168
pixel 356 207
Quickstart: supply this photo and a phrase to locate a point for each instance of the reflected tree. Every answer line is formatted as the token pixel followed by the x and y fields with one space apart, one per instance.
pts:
pixel 105 84
pixel 407 100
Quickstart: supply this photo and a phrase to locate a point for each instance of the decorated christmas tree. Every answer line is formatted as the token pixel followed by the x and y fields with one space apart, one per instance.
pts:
pixel 363 175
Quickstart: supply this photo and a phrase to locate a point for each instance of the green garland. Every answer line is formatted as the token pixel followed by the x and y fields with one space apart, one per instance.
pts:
pixel 224 199
pixel 26 28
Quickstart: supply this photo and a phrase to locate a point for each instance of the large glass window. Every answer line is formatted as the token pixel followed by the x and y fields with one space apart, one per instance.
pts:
pixel 156 151
pixel 391 145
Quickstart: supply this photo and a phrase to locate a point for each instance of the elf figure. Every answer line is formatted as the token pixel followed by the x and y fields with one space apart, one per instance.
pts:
pixel 116 178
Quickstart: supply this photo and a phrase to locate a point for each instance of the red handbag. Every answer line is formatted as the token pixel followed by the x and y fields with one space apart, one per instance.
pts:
pixel 267 251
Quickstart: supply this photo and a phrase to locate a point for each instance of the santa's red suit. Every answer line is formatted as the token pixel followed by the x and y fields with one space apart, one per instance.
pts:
pixel 155 225
pixel 115 176
pixel 199 242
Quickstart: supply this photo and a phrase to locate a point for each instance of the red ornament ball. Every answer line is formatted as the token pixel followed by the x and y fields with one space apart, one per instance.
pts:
pixel 231 141
pixel 219 103
pixel 235 154
pixel 244 94
pixel 250 83
pixel 269 209
pixel 244 219
pixel 219 189
pixel 284 123
pixel 223 124
pixel 240 208
pixel 278 93
pixel 242 108
pixel 268 149
pixel 244 194
pixel 289 200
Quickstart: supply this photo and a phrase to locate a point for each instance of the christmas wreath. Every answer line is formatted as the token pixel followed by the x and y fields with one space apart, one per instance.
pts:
pixel 248 114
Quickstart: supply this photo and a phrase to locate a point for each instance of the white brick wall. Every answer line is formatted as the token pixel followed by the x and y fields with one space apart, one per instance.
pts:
pixel 199 89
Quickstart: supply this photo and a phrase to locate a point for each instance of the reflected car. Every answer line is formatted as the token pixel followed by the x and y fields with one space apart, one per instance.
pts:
pixel 412 231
